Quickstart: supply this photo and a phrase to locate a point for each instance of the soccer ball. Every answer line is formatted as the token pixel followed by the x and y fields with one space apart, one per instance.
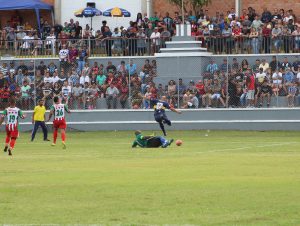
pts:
pixel 178 142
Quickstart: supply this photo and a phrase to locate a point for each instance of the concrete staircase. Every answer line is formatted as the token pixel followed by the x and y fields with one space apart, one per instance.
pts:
pixel 183 44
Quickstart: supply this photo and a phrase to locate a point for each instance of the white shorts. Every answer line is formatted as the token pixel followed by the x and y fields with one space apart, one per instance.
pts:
pixel 216 96
pixel 250 94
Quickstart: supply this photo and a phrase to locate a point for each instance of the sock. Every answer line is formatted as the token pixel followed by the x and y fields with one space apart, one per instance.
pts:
pixel 12 143
pixel 163 140
pixel 162 128
pixel 63 135
pixel 54 136
pixel 7 140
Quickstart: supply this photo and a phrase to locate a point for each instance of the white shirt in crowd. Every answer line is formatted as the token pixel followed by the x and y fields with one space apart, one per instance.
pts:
pixel 260 76
pixel 50 40
pixel 298 76
pixel 84 79
pixel 48 79
pixel 63 55
pixel 66 90
pixel 277 78
pixel 28 40
pixel 155 36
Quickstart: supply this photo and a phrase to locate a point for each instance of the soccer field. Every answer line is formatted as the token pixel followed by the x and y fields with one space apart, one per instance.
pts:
pixel 225 178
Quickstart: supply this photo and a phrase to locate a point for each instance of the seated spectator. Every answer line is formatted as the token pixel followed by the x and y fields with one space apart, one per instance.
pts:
pixel 265 91
pixel 122 68
pixel 77 93
pixel 56 90
pixel 292 90
pixel 146 98
pixel 212 67
pixel 111 68
pixel 25 95
pixel 66 91
pixel 288 77
pixel 124 91
pixel 276 81
pixel 93 96
pixel 111 96
pixel 131 68
pixel 206 97
pixel 264 65
pixel 217 92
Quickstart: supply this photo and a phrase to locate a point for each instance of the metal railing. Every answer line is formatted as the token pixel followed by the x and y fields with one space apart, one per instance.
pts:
pixel 121 46
pixel 97 47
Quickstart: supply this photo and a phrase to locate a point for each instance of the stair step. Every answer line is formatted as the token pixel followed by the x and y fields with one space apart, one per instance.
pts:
pixel 184 42
pixel 183 49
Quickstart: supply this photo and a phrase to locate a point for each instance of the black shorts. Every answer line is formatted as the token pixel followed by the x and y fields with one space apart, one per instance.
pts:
pixel 154 143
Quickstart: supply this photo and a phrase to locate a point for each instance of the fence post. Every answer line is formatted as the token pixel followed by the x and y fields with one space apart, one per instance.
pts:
pixel 227 82
pixel 129 87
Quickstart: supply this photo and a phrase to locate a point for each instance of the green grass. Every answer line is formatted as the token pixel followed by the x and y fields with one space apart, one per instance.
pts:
pixel 226 178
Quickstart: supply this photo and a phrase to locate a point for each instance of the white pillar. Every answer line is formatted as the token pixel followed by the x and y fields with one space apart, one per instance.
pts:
pixel 149 8
pixel 238 7
pixel 57 11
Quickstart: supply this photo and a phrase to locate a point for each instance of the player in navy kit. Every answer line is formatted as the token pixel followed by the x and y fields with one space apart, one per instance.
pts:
pixel 159 112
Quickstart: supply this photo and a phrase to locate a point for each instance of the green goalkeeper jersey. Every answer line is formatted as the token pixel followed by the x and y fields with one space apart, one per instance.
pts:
pixel 140 141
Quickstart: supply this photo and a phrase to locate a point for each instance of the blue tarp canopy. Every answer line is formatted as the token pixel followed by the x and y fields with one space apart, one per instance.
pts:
pixel 28 4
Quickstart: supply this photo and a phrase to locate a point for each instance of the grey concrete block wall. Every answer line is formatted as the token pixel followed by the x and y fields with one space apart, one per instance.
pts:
pixel 200 119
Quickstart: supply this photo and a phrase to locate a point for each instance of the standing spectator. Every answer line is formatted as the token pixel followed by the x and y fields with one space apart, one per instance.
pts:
pixel 266 33
pixel 111 96
pixel 83 55
pixel 168 21
pixel 226 34
pixel 276 36
pixel 108 41
pixel 296 36
pixel 266 16
pixel 64 58
pixel 155 37
pixel 141 42
pixel 117 46
pixel 256 23
pixel 286 39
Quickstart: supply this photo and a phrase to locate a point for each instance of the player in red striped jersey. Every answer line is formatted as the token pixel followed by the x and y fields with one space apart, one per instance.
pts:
pixel 11 116
pixel 58 110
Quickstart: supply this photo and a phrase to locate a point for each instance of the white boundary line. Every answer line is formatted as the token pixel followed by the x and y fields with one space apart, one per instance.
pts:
pixel 174 122
pixel 247 147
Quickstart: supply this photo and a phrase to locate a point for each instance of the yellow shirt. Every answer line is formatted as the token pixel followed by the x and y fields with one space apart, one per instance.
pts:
pixel 39 113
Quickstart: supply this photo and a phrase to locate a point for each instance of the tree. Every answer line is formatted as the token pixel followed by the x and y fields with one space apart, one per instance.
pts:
pixel 194 5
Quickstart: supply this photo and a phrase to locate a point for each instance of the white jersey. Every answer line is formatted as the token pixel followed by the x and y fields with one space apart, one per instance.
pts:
pixel 59 111
pixel 12 118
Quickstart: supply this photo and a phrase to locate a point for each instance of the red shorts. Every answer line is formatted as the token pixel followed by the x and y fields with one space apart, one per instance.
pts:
pixel 60 124
pixel 12 133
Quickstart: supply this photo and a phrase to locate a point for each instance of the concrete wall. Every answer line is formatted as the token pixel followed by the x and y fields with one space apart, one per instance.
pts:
pixel 216 119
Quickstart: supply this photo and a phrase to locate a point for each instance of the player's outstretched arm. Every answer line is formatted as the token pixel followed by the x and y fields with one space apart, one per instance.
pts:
pixel 50 116
pixel 176 110
pixel 1 119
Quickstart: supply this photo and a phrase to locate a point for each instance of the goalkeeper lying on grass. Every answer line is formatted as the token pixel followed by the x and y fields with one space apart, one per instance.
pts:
pixel 150 141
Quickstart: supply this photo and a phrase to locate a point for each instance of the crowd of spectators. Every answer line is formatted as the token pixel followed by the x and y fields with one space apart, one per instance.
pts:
pixel 277 31
pixel 230 84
